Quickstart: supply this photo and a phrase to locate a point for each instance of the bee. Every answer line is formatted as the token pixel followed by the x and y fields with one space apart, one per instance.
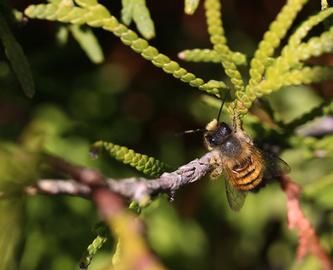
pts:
pixel 244 166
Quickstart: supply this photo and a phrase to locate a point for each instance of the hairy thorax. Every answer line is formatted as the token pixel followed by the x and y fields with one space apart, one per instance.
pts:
pixel 231 147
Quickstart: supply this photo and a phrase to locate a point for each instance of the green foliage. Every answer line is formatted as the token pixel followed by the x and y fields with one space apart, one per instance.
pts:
pixel 324 4
pixel 325 108
pixel 96 15
pixel 88 43
pixel 206 55
pixel 147 165
pixel 283 70
pixel 322 147
pixel 138 12
pixel 18 168
pixel 95 246
pixel 11 226
pixel 16 56
pixel 164 222
pixel 217 38
pixel 272 39
pixel 288 68
pixel 85 38
pixel 191 6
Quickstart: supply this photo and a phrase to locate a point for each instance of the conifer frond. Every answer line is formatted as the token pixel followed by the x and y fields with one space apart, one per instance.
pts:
pixel 288 68
pixel 211 85
pixel 127 11
pixel 218 39
pixel 294 56
pixel 94 247
pixel 272 39
pixel 324 4
pixel 307 75
pixel 301 32
pixel 95 15
pixel 210 56
pixel 88 42
pixel 143 163
pixel 267 74
pixel 191 6
pixel 316 46
pixel 301 76
pixel 137 11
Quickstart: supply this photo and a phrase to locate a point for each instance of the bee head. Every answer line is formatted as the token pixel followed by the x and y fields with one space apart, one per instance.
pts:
pixel 217 133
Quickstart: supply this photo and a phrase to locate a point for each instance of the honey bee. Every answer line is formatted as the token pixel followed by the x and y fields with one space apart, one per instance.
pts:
pixel 244 166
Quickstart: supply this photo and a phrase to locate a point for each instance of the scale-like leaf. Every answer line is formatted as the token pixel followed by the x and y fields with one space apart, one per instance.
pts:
pixel 191 6
pixel 88 43
pixel 143 163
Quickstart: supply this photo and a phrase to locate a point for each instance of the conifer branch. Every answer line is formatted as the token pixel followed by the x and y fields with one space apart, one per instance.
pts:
pixel 148 165
pixel 138 189
pixel 272 38
pixel 210 56
pixel 96 15
pixel 219 41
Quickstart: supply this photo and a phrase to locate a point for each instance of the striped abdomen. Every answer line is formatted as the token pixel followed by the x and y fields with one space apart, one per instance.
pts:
pixel 249 173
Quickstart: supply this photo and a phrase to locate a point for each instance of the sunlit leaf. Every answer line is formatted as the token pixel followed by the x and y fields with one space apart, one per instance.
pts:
pixel 191 6
pixel 62 35
pixel 88 43
pixel 127 11
pixel 137 11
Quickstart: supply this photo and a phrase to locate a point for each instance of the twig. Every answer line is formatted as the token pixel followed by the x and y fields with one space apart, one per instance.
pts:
pixel 108 195
pixel 58 187
pixel 137 189
pixel 135 253
pixel 308 240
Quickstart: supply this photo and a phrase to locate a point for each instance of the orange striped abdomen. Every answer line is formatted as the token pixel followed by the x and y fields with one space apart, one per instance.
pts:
pixel 248 174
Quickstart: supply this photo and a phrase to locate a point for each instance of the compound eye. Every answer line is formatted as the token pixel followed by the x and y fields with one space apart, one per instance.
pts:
pixel 214 139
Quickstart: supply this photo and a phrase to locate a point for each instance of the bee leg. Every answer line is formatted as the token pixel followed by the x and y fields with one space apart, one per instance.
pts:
pixel 216 162
pixel 216 172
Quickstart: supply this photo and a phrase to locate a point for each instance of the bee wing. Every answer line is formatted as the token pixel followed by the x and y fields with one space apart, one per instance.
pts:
pixel 275 166
pixel 236 198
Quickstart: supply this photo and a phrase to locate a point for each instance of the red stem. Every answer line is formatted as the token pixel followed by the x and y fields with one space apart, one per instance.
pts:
pixel 308 240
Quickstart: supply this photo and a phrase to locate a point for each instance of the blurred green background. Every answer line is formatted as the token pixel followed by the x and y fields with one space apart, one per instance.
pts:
pixel 128 101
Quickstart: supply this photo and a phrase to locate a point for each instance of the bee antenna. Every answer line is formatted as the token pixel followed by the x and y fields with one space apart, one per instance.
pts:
pixel 222 104
pixel 190 131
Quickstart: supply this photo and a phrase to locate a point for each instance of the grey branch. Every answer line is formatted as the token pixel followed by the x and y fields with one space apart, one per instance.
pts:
pixel 58 187
pixel 139 188
pixel 133 188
